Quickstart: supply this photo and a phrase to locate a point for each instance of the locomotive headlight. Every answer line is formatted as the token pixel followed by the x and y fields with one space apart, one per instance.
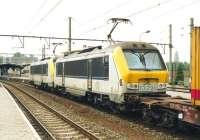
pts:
pixel 162 86
pixel 132 86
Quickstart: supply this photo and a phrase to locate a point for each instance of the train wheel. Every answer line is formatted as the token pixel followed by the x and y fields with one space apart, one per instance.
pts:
pixel 147 116
pixel 89 98
pixel 113 108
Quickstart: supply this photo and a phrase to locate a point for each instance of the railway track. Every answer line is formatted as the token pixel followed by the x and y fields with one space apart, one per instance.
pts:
pixel 39 94
pixel 178 89
pixel 54 124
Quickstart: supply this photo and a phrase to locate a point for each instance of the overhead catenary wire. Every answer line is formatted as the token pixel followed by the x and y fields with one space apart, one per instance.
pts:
pixel 183 6
pixel 176 9
pixel 64 38
pixel 37 12
pixel 93 29
pixel 105 13
pixel 109 11
pixel 148 8
pixel 132 14
pixel 45 16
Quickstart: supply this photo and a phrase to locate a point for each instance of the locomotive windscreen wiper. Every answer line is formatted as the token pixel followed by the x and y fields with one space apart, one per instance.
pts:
pixel 141 57
pixel 142 60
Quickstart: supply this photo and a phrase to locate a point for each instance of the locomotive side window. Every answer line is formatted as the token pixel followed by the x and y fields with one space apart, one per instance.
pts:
pixel 59 69
pixel 39 69
pixel 45 69
pixel 76 68
pixel 106 66
pixel 100 68
pixel 32 69
pixel 35 69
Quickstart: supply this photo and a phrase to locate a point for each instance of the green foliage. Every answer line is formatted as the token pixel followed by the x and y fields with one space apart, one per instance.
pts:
pixel 18 54
pixel 179 70
pixel 19 58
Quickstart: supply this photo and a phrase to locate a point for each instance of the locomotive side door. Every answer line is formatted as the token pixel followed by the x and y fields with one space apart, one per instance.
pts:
pixel 89 74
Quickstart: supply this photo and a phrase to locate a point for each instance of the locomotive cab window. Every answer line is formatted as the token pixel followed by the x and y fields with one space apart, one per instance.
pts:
pixel 144 60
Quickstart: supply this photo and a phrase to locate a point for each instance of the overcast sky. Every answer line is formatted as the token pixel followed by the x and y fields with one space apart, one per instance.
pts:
pixel 89 20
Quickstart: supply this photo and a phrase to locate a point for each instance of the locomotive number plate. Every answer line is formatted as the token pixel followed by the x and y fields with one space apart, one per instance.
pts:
pixel 148 87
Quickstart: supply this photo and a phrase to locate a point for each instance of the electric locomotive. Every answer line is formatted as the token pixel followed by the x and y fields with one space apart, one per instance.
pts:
pixel 117 74
pixel 42 73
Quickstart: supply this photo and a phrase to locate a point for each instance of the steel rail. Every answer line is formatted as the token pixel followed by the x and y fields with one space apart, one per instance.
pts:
pixel 69 121
pixel 33 117
pixel 179 89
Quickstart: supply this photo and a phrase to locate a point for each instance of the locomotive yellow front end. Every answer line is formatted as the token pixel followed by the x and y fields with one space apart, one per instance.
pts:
pixel 142 69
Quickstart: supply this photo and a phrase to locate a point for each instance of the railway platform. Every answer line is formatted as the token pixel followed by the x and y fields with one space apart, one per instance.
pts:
pixel 13 123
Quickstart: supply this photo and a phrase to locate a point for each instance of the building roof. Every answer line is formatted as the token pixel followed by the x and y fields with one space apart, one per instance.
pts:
pixel 7 66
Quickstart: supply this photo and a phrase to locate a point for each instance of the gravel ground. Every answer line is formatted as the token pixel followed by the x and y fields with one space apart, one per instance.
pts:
pixel 114 126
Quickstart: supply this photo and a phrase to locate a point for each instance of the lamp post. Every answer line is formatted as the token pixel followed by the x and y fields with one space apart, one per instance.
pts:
pixel 146 32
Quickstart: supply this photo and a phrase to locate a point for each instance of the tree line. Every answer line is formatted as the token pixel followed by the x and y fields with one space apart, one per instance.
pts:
pixel 180 70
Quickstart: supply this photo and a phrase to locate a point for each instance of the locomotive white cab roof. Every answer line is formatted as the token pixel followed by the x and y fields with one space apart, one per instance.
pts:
pixel 100 51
